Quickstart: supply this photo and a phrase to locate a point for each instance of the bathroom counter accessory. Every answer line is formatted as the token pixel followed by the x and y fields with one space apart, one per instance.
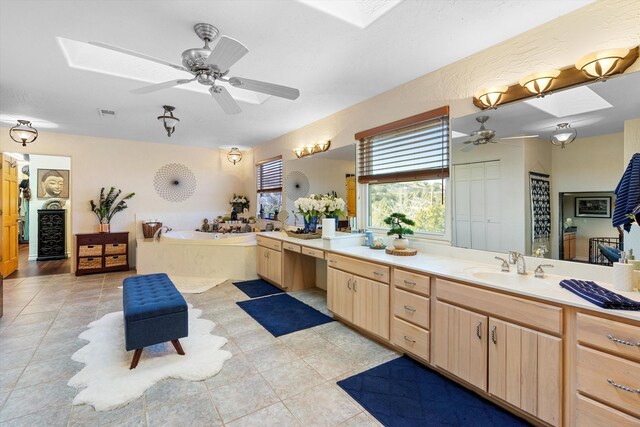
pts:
pixel 401 252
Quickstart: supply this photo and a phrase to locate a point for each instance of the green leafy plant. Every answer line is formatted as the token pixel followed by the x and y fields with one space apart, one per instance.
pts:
pixel 107 206
pixel 397 221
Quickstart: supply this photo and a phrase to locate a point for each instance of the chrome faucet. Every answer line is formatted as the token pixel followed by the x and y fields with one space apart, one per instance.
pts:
pixel 539 272
pixel 513 256
pixel 505 265
pixel 520 264
pixel 156 235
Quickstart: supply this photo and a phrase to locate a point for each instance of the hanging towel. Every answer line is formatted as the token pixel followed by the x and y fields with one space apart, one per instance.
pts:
pixel 627 194
pixel 599 296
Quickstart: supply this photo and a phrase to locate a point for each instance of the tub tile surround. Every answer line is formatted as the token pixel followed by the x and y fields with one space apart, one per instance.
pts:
pixel 255 385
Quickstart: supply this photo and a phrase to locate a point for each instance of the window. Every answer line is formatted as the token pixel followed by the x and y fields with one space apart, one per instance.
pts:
pixel 269 186
pixel 404 166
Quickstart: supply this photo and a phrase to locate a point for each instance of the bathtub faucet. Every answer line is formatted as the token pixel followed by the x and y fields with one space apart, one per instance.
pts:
pixel 156 235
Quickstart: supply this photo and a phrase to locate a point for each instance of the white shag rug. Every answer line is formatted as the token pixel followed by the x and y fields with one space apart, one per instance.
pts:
pixel 195 285
pixel 109 383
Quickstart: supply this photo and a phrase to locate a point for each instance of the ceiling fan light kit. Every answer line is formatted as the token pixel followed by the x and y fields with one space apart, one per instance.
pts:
pixel 169 121
pixel 595 66
pixel 563 135
pixel 23 133
pixel 308 150
pixel 234 155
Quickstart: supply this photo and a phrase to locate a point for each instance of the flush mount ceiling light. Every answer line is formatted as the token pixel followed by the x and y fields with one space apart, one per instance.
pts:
pixel 490 97
pixel 539 83
pixel 168 119
pixel 563 135
pixel 234 155
pixel 23 133
pixel 310 149
pixel 601 64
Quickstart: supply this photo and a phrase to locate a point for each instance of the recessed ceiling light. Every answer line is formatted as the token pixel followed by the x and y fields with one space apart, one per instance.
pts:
pixel 360 13
pixel 84 56
pixel 570 102
pixel 37 123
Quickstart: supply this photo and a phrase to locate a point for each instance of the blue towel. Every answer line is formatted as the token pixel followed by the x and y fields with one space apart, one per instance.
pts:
pixel 627 194
pixel 599 296
pixel 610 253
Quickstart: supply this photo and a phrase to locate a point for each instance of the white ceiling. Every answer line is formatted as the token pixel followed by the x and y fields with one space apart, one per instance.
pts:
pixel 333 63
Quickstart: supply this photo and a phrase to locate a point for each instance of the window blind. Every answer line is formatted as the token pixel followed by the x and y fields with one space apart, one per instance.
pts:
pixel 414 151
pixel 269 175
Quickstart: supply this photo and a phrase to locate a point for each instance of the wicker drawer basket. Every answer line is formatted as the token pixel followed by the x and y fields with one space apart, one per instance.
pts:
pixel 89 263
pixel 115 248
pixel 90 250
pixel 115 260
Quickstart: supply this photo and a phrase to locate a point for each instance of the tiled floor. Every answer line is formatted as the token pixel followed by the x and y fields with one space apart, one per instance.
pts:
pixel 285 381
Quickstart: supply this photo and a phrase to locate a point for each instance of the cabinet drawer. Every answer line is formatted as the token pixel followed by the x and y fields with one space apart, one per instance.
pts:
pixel 411 307
pixel 597 372
pixel 115 248
pixel 411 338
pixel 539 316
pixel 90 250
pixel 115 237
pixel 361 268
pixel 594 414
pixel 317 253
pixel 291 247
pixel 269 243
pixel 115 260
pixel 615 337
pixel 89 239
pixel 89 263
pixel 412 282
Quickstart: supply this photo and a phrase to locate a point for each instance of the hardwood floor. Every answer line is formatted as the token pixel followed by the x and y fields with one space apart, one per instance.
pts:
pixel 28 268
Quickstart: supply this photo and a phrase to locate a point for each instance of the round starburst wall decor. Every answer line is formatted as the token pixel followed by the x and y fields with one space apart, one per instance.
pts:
pixel 175 182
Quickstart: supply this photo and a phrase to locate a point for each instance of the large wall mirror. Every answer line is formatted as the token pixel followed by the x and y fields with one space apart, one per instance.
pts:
pixel 520 192
pixel 321 173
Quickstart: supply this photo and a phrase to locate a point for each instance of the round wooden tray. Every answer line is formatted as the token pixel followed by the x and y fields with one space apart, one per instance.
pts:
pixel 401 252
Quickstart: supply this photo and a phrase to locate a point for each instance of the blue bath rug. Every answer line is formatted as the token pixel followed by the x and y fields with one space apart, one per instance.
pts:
pixel 404 393
pixel 257 288
pixel 283 314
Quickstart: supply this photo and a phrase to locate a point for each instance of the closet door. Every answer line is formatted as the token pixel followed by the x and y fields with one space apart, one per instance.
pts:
pixel 462 213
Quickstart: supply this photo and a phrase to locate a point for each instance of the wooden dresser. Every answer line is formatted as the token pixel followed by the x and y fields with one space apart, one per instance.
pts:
pixel 101 252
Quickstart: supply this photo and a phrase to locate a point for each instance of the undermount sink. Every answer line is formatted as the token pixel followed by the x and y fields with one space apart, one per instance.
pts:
pixel 517 280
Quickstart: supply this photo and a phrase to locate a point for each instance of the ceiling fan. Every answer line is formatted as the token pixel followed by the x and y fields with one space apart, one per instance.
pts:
pixel 483 135
pixel 209 66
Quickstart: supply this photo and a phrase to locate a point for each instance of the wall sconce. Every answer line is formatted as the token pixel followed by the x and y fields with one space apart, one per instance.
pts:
pixel 23 133
pixel 538 83
pixel 168 119
pixel 601 64
pixel 310 149
pixel 490 97
pixel 563 135
pixel 234 155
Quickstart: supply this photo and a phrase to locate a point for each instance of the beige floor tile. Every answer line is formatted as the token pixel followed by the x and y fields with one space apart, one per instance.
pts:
pixel 323 405
pixel 271 356
pixel 305 343
pixel 233 370
pixel 292 378
pixel 332 363
pixel 167 391
pixel 24 401
pixel 274 415
pixel 242 397
pixel 48 370
pixel 361 420
pixel 58 417
pixel 84 415
pixel 195 410
pixel 254 339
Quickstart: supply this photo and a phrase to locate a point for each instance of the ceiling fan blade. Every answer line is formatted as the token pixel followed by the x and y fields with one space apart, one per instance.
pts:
pixel 226 101
pixel 518 137
pixel 225 53
pixel 160 86
pixel 139 55
pixel 263 87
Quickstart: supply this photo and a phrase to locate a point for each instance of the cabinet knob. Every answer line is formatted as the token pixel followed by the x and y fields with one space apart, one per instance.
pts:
pixel 409 308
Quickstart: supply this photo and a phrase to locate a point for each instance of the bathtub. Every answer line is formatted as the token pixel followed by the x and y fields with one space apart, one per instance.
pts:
pixel 198 254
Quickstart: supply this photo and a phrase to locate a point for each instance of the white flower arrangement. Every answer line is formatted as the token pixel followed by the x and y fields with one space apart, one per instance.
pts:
pixel 239 201
pixel 314 205
pixel 334 206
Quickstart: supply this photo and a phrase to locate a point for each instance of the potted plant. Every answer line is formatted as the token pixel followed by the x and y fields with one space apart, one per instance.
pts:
pixel 397 221
pixel 334 206
pixel 239 203
pixel 311 208
pixel 107 207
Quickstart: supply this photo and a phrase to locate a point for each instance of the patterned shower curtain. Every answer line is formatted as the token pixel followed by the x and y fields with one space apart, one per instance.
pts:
pixel 540 214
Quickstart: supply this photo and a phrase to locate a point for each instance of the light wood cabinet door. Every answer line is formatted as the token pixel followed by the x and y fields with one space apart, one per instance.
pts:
pixel 371 306
pixel 340 293
pixel 263 262
pixel 275 266
pixel 525 369
pixel 461 343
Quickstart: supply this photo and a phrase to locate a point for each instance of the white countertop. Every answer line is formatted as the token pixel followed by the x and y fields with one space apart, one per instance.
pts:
pixel 478 273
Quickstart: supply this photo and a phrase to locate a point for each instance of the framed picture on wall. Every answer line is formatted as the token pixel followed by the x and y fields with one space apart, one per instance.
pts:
pixel 593 207
pixel 53 183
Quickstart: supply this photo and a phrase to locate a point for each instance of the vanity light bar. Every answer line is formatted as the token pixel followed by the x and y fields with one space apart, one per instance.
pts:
pixel 595 66
pixel 310 149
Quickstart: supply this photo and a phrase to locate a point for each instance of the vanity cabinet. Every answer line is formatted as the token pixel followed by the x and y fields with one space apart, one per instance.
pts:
pixel 499 344
pixel 569 246
pixel 410 323
pixel 269 265
pixel 357 299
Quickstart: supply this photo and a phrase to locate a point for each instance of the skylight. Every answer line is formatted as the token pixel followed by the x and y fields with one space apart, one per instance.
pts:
pixel 570 102
pixel 360 13
pixel 84 56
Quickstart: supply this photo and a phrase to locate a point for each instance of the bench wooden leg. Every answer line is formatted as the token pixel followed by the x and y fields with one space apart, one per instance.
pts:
pixel 136 358
pixel 178 347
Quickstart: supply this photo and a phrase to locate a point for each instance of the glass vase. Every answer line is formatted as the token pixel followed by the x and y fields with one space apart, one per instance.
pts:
pixel 310 224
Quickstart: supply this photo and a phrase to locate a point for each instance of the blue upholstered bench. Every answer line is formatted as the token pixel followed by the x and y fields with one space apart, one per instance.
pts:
pixel 154 312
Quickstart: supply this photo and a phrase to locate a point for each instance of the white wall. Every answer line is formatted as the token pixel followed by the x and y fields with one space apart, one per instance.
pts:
pixel 131 166
pixel 45 162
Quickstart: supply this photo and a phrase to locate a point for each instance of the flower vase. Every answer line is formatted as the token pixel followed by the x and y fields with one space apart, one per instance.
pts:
pixel 105 228
pixel 310 224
